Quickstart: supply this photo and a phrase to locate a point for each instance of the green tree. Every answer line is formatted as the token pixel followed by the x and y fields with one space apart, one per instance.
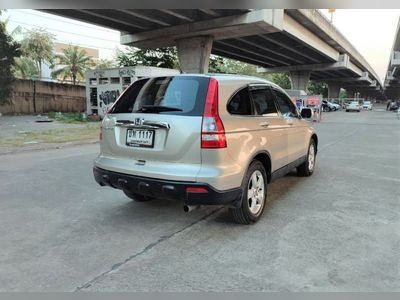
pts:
pixel 318 88
pixel 216 64
pixel 232 66
pixel 104 64
pixel 342 93
pixel 281 79
pixel 9 49
pixel 38 45
pixel 71 64
pixel 158 57
pixel 25 68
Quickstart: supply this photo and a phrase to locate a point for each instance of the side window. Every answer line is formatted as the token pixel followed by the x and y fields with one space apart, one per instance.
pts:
pixel 240 103
pixel 286 106
pixel 263 100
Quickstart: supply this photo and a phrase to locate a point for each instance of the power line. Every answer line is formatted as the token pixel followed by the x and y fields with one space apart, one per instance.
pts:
pixel 69 42
pixel 85 45
pixel 67 32
pixel 78 23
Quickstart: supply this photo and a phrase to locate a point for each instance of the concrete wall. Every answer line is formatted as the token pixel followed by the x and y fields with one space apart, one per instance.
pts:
pixel 49 97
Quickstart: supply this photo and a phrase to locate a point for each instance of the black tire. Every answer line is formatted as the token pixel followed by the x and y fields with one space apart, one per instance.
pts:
pixel 305 169
pixel 137 197
pixel 347 110
pixel 243 214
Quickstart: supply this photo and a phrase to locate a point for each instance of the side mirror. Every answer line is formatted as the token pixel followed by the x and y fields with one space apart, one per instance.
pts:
pixel 306 113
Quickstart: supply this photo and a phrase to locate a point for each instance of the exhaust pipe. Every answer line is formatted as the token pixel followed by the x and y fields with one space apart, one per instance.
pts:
pixel 189 208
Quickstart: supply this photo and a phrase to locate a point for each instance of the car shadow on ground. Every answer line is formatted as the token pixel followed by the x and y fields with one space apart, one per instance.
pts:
pixel 276 191
pixel 150 213
pixel 166 211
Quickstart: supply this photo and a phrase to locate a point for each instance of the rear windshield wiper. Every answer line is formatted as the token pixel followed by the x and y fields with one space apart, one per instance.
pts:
pixel 156 109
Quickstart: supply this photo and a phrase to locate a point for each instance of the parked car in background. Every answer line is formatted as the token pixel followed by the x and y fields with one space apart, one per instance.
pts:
pixel 337 106
pixel 394 105
pixel 329 106
pixel 367 105
pixel 353 106
pixel 204 140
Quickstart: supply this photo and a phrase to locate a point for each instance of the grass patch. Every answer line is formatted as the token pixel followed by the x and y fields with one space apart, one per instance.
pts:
pixel 69 117
pixel 29 138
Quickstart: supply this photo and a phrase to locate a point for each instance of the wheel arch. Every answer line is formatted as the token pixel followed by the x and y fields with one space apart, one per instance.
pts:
pixel 265 158
pixel 315 138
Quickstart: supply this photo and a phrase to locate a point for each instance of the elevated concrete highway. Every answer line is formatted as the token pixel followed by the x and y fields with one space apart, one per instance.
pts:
pixel 301 42
pixel 392 79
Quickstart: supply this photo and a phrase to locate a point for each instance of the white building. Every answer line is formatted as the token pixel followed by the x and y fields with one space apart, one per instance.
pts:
pixel 104 86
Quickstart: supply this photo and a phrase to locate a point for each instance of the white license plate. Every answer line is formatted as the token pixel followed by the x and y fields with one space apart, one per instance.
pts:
pixel 140 138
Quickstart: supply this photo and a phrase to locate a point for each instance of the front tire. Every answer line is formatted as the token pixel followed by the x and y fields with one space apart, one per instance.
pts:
pixel 254 195
pixel 307 168
pixel 137 197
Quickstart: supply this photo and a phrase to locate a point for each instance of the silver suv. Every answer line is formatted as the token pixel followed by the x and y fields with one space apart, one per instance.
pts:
pixel 205 140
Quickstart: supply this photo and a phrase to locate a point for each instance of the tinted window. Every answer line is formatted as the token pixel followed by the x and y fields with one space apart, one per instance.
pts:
pixel 240 103
pixel 263 101
pixel 186 93
pixel 286 106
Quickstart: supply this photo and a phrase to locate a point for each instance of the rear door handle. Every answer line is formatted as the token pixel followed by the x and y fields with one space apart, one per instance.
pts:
pixel 264 124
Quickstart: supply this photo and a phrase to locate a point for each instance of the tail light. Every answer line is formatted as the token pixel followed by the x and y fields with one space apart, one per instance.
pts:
pixel 212 129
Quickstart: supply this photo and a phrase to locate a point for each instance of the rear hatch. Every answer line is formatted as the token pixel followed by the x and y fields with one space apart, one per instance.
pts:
pixel 153 130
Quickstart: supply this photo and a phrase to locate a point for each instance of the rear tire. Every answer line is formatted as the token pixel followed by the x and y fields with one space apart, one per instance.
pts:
pixel 137 197
pixel 254 195
pixel 307 168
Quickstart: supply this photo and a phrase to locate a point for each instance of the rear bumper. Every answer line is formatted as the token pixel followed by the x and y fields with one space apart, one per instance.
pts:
pixel 160 188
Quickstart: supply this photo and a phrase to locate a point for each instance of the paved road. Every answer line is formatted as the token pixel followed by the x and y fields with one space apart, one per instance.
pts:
pixel 338 230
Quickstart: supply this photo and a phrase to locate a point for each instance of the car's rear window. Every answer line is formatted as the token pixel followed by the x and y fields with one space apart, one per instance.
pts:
pixel 186 93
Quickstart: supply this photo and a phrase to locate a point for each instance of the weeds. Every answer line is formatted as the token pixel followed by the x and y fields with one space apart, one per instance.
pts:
pixel 90 132
pixel 69 117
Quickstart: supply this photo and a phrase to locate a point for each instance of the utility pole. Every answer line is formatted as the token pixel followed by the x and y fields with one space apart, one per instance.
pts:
pixel 331 11
pixel 34 95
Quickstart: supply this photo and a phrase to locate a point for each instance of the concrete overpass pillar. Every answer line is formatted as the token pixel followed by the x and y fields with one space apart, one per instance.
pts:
pixel 333 89
pixel 299 79
pixel 194 54
pixel 350 93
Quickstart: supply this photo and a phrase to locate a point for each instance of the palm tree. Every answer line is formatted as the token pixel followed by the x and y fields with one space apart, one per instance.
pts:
pixel 71 64
pixel 38 45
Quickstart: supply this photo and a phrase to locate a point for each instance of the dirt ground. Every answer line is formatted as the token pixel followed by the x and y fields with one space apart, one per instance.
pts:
pixel 19 133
